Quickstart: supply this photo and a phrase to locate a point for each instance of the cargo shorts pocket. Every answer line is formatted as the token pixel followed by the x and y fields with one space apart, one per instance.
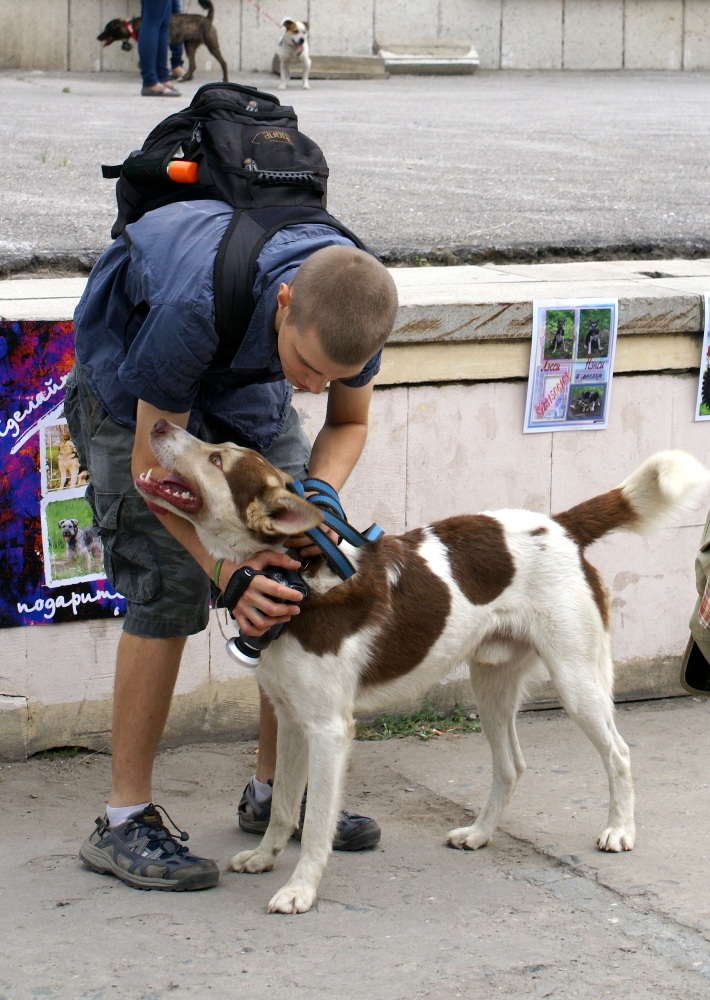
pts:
pixel 131 564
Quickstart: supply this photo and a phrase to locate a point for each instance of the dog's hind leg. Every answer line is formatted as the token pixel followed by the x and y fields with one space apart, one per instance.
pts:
pixel 190 50
pixel 498 690
pixel 213 47
pixel 584 685
pixel 328 743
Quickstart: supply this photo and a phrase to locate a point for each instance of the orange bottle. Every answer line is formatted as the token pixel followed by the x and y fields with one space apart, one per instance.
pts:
pixel 183 171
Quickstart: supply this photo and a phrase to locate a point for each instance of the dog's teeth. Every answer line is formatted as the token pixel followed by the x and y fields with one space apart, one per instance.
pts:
pixel 186 495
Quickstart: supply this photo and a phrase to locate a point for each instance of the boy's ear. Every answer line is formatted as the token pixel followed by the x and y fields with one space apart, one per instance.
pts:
pixel 280 512
pixel 284 295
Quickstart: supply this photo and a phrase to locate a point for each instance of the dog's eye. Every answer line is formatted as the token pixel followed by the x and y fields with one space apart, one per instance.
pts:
pixel 216 459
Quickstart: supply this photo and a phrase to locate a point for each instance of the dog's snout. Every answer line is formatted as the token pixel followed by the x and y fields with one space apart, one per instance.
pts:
pixel 160 426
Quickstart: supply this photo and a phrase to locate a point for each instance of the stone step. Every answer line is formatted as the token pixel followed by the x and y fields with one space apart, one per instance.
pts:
pixel 426 56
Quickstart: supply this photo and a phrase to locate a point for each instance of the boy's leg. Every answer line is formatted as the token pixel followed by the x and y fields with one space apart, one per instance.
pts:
pixel 141 702
pixel 166 594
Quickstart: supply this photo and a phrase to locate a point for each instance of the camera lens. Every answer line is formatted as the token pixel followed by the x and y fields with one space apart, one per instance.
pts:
pixel 243 654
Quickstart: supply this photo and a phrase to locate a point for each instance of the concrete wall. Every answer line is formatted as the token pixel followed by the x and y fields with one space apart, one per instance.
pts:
pixel 445 438
pixel 508 34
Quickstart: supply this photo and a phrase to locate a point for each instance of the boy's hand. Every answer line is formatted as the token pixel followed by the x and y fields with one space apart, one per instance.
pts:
pixel 305 547
pixel 256 611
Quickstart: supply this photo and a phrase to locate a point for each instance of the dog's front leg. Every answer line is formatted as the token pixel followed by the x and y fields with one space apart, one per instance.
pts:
pixel 306 72
pixel 289 782
pixel 328 744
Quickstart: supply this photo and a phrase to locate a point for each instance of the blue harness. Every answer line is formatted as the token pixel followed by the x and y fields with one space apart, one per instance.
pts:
pixel 325 497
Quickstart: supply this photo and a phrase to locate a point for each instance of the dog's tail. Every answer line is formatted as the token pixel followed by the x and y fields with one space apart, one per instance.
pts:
pixel 667 485
pixel 206 5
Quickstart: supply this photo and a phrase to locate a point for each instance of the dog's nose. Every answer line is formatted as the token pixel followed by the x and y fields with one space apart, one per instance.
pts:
pixel 160 426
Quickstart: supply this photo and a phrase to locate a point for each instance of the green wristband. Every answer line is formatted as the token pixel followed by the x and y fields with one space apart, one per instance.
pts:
pixel 217 571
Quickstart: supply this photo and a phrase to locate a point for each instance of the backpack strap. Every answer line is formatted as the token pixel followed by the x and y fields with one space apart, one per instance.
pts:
pixel 235 266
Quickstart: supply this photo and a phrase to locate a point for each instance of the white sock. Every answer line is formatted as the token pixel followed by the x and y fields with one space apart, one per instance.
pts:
pixel 119 814
pixel 262 790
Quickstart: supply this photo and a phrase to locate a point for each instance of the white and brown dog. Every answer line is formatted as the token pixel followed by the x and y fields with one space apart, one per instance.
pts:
pixel 500 590
pixel 292 51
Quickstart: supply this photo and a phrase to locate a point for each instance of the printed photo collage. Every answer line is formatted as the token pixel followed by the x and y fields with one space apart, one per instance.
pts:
pixel 71 545
pixel 571 365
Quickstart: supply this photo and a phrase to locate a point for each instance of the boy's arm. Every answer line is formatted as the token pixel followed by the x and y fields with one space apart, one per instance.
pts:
pixel 338 445
pixel 261 590
pixel 340 441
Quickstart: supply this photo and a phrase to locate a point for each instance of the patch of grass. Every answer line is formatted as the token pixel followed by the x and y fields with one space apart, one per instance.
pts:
pixel 425 723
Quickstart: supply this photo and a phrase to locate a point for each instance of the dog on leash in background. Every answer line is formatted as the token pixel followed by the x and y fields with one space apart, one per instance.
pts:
pixel 502 591
pixel 293 50
pixel 192 30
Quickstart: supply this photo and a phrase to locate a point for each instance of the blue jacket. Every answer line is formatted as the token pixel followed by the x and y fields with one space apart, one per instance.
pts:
pixel 165 358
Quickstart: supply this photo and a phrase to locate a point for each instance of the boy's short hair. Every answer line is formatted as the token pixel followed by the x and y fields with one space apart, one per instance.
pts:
pixel 348 298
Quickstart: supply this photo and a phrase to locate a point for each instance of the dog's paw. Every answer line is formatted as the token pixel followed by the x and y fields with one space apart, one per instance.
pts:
pixel 282 86
pixel 250 861
pixel 616 839
pixel 467 838
pixel 292 899
pixel 306 86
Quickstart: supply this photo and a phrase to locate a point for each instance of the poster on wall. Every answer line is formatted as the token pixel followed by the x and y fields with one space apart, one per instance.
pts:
pixel 702 406
pixel 51 563
pixel 571 364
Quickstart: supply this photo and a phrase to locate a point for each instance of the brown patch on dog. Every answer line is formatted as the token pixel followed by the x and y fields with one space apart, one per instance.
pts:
pixel 408 615
pixel 265 508
pixel 590 521
pixel 593 519
pixel 481 564
pixel 598 589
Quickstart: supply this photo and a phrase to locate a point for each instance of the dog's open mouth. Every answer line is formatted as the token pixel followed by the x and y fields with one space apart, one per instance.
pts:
pixel 171 490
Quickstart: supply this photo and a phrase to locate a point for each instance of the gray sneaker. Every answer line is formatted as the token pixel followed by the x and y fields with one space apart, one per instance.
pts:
pixel 145 855
pixel 353 833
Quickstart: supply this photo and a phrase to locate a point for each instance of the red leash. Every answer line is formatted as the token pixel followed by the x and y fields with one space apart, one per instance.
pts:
pixel 265 13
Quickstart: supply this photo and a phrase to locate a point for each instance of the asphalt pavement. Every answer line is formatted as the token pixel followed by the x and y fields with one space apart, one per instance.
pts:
pixel 539 912
pixel 516 166
pixel 493 166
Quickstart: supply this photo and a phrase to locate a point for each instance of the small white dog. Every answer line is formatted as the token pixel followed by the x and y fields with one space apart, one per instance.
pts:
pixel 293 50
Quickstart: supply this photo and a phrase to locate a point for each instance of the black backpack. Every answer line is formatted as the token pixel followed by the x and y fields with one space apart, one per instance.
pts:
pixel 250 153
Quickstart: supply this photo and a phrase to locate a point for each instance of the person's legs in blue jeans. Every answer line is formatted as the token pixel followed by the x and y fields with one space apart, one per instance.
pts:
pixel 177 51
pixel 153 44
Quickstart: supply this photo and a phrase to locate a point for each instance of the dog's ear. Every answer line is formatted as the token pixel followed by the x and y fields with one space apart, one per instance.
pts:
pixel 277 511
pixel 305 25
pixel 286 23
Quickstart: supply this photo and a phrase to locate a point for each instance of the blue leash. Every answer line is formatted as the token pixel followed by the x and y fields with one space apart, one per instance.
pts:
pixel 325 497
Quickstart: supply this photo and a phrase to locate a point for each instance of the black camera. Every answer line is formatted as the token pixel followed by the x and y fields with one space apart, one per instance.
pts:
pixel 246 649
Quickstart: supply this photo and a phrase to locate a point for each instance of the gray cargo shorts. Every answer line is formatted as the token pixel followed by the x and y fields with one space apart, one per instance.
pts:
pixel 167 593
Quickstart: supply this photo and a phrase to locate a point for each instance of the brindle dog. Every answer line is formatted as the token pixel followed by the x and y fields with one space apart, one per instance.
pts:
pixel 192 30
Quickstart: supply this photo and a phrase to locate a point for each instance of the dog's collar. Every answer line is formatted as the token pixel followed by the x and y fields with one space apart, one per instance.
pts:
pixel 132 30
pixel 325 497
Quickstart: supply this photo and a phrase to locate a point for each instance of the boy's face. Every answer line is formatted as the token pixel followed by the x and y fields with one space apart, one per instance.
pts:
pixel 304 363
